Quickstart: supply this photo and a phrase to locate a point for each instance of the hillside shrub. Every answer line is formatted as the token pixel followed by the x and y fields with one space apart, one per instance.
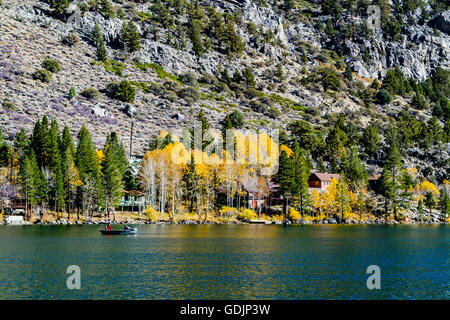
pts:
pixel 51 65
pixel 91 94
pixel 43 75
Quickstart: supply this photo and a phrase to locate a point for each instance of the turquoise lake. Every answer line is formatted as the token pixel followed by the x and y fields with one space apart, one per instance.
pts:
pixel 226 262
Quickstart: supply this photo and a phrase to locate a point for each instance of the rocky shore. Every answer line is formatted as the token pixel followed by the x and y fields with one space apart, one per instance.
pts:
pixel 431 219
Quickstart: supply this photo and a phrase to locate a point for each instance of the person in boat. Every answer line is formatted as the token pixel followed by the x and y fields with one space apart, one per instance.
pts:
pixel 126 228
pixel 108 227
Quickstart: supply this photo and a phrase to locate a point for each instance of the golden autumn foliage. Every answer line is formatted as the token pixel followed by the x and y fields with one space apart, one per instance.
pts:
pixel 247 214
pixel 336 199
pixel 100 156
pixel 286 149
pixel 425 187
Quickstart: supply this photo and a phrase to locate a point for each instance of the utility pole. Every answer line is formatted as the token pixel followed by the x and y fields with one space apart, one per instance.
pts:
pixel 131 137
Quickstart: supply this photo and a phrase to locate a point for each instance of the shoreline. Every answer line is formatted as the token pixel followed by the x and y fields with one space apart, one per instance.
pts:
pixel 133 218
pixel 237 222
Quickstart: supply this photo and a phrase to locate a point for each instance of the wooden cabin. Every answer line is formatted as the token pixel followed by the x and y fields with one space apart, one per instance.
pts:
pixel 132 200
pixel 321 181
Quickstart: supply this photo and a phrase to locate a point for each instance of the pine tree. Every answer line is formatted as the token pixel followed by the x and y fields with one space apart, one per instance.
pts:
pixel 348 73
pixel 129 181
pixel 206 138
pixel 191 183
pixel 120 156
pixel 97 35
pixel 53 148
pixel 355 171
pixel 125 91
pixel 300 178
pixel 420 209
pixel 40 141
pixel 101 53
pixel 394 160
pixel 59 6
pixel 196 38
pixel 249 77
pixel 107 9
pixel 5 151
pixel 111 181
pixel 59 194
pixel 444 204
pixel 21 143
pixel 329 29
pixel 284 177
pixel 237 77
pixel 72 93
pixel 87 163
pixel 86 157
pixel 99 42
pixel 71 179
pixel 226 126
pixel 430 202
pixel 130 37
pixel 370 139
pixel 387 187
pixel 66 142
pixel 27 181
pixel 41 193
pixel 226 77
pixel 342 196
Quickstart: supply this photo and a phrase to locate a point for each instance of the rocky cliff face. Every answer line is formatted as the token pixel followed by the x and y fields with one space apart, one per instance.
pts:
pixel 31 32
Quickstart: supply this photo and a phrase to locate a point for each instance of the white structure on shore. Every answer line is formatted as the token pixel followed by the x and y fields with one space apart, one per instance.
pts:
pixel 14 220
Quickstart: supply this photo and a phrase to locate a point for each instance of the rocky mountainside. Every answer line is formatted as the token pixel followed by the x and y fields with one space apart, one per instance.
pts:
pixel 296 60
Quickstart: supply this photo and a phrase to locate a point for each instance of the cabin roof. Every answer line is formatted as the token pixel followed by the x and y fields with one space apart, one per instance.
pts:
pixel 134 193
pixel 325 176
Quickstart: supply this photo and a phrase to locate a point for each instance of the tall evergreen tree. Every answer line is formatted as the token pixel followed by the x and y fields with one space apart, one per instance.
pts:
pixel 86 157
pixel 355 170
pixel 394 160
pixel 370 139
pixel 191 180
pixel 59 194
pixel 387 187
pixel 54 158
pixel 5 151
pixel 40 141
pixel 420 209
pixel 111 181
pixel 198 45
pixel 120 155
pixel 100 52
pixel 129 181
pixel 444 204
pixel 284 177
pixel 71 179
pixel 130 37
pixel 66 141
pixel 99 42
pixel 27 181
pixel 343 197
pixel 430 201
pixel 87 163
pixel 21 143
pixel 301 174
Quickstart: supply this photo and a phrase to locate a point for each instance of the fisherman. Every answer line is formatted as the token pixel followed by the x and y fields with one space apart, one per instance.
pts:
pixel 108 227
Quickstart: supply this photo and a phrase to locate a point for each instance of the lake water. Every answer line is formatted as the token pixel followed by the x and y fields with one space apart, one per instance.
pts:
pixel 226 262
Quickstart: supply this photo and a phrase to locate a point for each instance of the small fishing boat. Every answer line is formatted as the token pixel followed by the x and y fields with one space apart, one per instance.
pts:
pixel 117 232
